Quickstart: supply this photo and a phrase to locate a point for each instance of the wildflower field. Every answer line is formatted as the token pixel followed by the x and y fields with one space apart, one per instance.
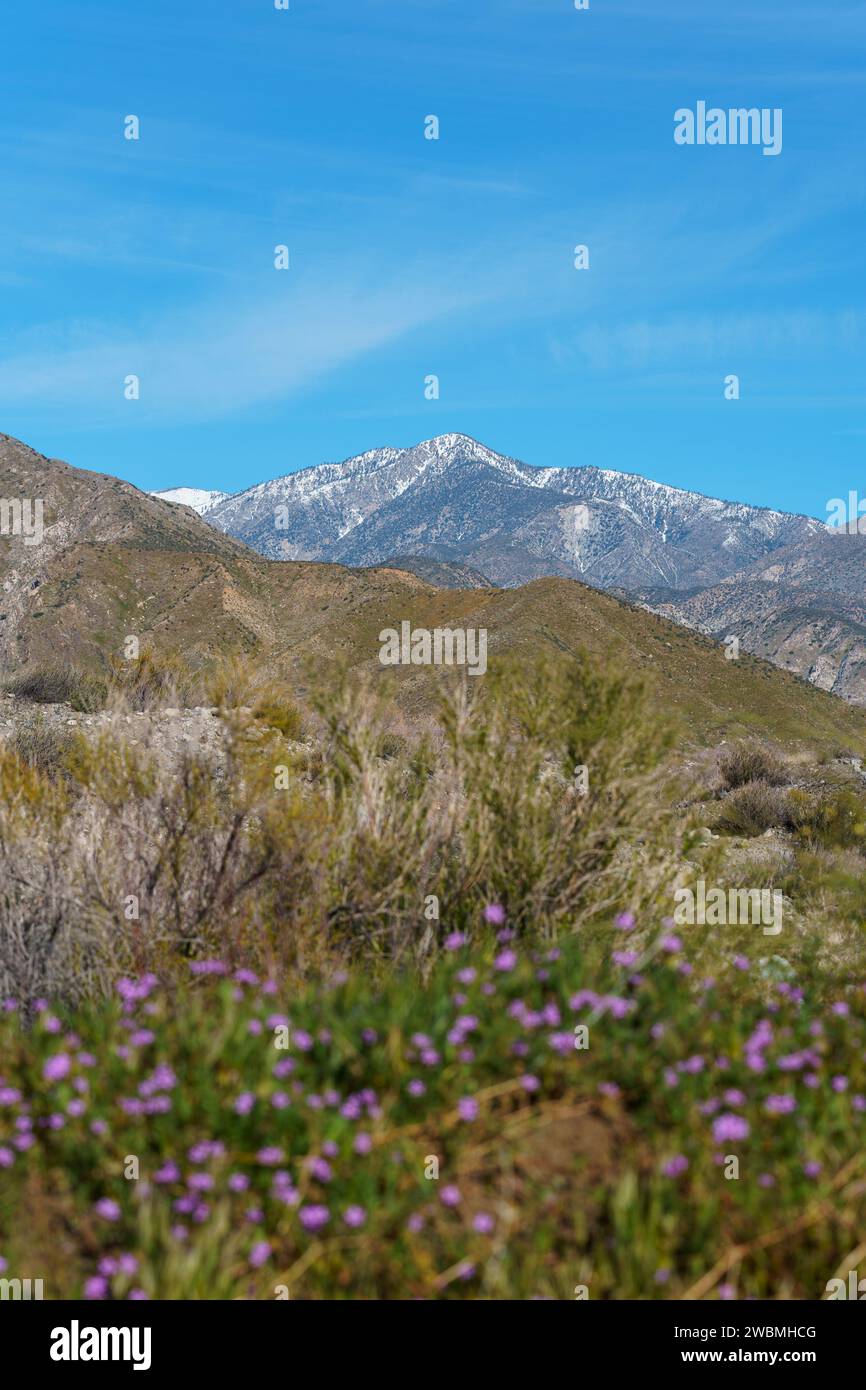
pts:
pixel 533 1122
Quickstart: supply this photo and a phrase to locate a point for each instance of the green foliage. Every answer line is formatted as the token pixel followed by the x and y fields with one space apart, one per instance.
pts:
pixel 564 1154
pixel 278 853
pixel 278 882
pixel 494 811
pixel 280 714
pixel 827 879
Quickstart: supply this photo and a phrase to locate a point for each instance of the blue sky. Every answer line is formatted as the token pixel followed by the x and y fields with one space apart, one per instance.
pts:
pixel 412 257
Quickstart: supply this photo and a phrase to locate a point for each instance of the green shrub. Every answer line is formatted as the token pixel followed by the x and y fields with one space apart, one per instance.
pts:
pixel 391 746
pixel 285 858
pixel 277 711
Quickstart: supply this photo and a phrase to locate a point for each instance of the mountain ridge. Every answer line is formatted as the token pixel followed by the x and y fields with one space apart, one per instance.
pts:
pixel 452 498
pixel 452 517
pixel 115 562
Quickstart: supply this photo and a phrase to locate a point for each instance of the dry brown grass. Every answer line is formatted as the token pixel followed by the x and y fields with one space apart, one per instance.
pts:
pixel 744 763
pixel 363 843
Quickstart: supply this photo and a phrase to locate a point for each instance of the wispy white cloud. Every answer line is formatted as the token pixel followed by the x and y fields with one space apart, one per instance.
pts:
pixel 646 343
pixel 206 362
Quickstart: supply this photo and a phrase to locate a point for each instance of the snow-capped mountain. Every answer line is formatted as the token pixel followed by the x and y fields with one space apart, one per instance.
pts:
pixel 453 499
pixel 200 499
pixel 780 583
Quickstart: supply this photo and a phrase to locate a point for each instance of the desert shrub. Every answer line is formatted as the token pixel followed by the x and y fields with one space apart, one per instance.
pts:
pixel 528 837
pixel 826 879
pixel 50 945
pixel 60 686
pixel 154 680
pixel 233 683
pixel 754 808
pixel 801 805
pixel 836 820
pixel 745 763
pixel 284 859
pixel 276 710
pixel 391 745
pixel 493 812
pixel 830 886
pixel 182 842
pixel 41 745
pixel 250 699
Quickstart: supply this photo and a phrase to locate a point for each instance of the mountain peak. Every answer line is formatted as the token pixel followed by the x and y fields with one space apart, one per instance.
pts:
pixel 453 444
pixel 451 448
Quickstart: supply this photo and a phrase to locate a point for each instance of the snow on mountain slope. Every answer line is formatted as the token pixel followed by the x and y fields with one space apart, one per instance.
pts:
pixel 200 499
pixel 454 499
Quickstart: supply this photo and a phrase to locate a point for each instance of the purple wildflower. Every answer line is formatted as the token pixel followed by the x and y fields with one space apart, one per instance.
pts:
pixel 57 1067
pixel 314 1217
pixel 780 1105
pixel 675 1166
pixel 731 1127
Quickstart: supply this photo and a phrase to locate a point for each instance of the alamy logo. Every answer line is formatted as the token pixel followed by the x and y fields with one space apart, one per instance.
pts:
pixel 20 1288
pixel 847 518
pixel 446 646
pixel 22 516
pixel 717 907
pixel 738 126
pixel 836 1288
pixel 75 1343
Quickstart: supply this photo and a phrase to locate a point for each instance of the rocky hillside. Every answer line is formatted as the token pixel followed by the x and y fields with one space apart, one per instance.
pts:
pixel 442 574
pixel 803 608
